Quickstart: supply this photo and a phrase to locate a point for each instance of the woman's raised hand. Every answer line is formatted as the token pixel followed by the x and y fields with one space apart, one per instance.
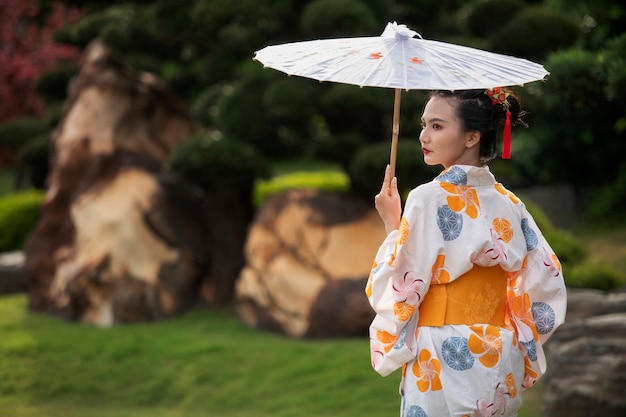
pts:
pixel 388 203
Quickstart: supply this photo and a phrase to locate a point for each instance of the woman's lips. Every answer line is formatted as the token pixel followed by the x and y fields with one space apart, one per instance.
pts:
pixel 426 151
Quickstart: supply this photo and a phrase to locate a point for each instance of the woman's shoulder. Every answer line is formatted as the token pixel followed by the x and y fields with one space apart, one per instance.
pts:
pixel 425 193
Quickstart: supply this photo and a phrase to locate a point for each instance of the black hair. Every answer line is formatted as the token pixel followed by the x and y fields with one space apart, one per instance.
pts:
pixel 477 113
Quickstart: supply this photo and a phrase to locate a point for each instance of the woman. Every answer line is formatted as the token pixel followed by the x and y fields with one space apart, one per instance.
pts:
pixel 465 288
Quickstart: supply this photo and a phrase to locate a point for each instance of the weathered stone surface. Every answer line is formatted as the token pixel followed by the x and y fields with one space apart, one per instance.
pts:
pixel 308 256
pixel 118 239
pixel 11 266
pixel 587 358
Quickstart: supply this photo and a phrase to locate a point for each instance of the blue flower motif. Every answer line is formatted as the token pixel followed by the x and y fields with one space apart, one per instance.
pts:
pixel 544 317
pixel 529 234
pixel 531 349
pixel 416 411
pixel 456 353
pixel 401 340
pixel 449 222
pixel 454 175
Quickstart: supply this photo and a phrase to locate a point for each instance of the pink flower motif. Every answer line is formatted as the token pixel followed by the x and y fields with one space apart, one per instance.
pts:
pixel 501 400
pixel 483 408
pixel 408 288
pixel 378 352
pixel 488 257
pixel 548 261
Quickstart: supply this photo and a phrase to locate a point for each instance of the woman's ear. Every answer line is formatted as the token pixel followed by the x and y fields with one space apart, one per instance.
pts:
pixel 472 139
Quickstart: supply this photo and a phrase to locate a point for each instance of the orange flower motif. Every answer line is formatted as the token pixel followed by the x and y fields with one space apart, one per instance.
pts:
pixel 386 339
pixel 513 277
pixel 520 307
pixel 510 385
pixel 556 262
pixel 440 275
pixel 464 197
pixel 368 288
pixel 403 310
pixel 500 188
pixel 416 60
pixel 503 228
pixel 403 231
pixel 376 55
pixel 486 343
pixel 530 376
pixel 427 370
pixel 393 255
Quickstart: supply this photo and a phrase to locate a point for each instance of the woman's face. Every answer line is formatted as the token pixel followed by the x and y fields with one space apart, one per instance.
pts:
pixel 443 140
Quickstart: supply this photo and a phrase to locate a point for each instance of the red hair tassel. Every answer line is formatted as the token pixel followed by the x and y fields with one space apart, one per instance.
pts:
pixel 506 146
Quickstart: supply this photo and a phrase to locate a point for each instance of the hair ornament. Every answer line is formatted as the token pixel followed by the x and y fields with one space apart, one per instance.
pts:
pixel 499 96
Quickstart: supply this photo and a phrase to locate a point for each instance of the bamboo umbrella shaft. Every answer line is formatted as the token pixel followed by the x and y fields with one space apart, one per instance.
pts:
pixel 395 131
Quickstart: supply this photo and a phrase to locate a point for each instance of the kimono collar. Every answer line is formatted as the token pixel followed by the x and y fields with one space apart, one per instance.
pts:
pixel 467 175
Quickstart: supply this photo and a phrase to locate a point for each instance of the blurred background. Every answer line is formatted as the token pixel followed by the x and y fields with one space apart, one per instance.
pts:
pixel 281 133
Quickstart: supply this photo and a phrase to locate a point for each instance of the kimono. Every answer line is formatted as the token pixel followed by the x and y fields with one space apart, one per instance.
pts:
pixel 464 227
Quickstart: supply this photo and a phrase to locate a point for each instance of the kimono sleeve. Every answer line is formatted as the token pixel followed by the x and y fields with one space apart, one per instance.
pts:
pixel 397 285
pixel 537 298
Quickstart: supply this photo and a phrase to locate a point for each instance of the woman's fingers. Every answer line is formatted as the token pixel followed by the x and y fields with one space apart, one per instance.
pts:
pixel 386 180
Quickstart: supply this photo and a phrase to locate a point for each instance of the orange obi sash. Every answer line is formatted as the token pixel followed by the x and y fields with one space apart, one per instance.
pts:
pixel 476 297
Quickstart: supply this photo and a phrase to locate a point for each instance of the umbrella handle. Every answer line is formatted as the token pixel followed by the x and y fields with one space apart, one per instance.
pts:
pixel 395 132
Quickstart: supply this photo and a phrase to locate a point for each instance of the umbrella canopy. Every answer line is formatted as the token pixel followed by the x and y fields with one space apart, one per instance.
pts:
pixel 402 60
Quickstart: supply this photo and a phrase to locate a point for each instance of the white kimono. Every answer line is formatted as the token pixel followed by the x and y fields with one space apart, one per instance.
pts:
pixel 460 219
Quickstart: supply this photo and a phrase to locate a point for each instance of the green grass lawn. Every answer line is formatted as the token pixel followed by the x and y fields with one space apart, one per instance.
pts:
pixel 202 364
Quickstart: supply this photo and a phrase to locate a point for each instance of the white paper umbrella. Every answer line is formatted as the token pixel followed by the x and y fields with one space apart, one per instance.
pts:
pixel 402 60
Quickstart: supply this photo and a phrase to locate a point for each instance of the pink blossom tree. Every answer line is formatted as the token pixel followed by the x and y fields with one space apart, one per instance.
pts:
pixel 27 49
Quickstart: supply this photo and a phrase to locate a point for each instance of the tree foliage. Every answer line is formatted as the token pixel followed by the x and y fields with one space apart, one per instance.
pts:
pixel 27 50
pixel 204 50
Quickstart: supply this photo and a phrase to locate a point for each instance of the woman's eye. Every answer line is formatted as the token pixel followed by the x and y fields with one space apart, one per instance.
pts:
pixel 423 125
pixel 436 126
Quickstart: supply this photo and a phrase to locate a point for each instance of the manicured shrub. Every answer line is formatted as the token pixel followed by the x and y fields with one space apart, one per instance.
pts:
pixel 331 181
pixel 348 108
pixel 534 33
pixel 337 147
pixel 604 201
pixel 18 215
pixel 242 114
pixel 488 16
pixel 575 87
pixel 367 168
pixel 594 275
pixel 18 132
pixel 52 85
pixel 569 250
pixel 334 18
pixel 34 157
pixel 205 161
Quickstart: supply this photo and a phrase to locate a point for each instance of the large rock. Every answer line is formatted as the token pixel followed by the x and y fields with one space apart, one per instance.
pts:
pixel 308 256
pixel 587 358
pixel 118 239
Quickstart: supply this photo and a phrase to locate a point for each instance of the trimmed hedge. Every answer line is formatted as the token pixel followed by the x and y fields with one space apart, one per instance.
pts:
pixel 16 133
pixel 205 160
pixel 19 213
pixel 569 250
pixel 367 168
pixel 330 181
pixel 594 275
